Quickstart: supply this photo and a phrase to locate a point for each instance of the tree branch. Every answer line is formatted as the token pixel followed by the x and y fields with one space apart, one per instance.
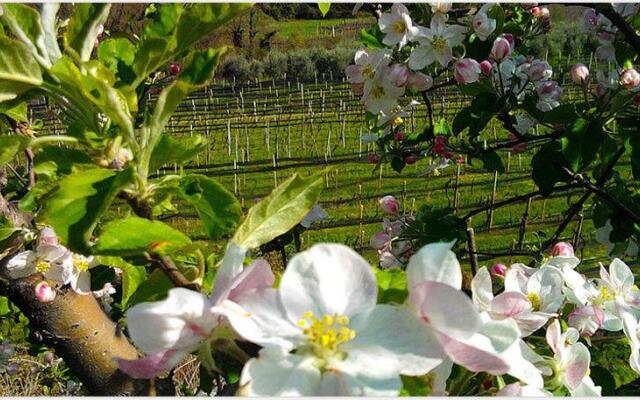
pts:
pixel 629 33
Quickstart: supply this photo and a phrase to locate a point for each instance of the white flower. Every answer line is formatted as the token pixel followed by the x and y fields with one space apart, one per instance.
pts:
pixel 483 26
pixel 524 124
pixel 602 236
pixel 323 334
pixel 397 26
pixel 169 329
pixel 80 277
pixel 368 65
pixel 53 261
pixel 632 331
pixel 440 7
pixel 626 9
pixel 436 43
pixel 470 339
pixel 549 93
pixel 381 95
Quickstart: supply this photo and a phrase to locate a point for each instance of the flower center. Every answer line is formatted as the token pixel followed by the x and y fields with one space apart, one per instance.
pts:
pixel 606 295
pixel 368 71
pixel 326 334
pixel 42 265
pixel 377 92
pixel 80 263
pixel 399 26
pixel 534 298
pixel 439 43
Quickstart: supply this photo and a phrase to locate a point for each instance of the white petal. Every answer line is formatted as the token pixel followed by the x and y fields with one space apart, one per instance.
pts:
pixel 259 317
pixel 408 348
pixel 328 279
pixel 182 320
pixel 22 265
pixel 435 262
pixel 277 373
pixel 445 309
pixel 587 389
pixel 349 383
pixel 621 275
pixel 230 267
pixel 82 285
pixel 482 291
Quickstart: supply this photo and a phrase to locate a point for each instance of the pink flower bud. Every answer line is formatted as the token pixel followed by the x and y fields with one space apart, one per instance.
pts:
pixel 562 249
pixel 438 148
pixel 409 159
pixel 399 74
pixel 440 140
pixel 389 205
pixel 579 74
pixel 374 158
pixel 399 136
pixel 460 160
pixel 535 11
pixel 448 155
pixel 467 71
pixel 485 67
pixel 47 237
pixel 174 68
pixel 510 38
pixel 44 292
pixel 379 240
pixel 629 79
pixel 544 12
pixel 419 81
pixel 499 269
pixel 501 49
pixel 517 147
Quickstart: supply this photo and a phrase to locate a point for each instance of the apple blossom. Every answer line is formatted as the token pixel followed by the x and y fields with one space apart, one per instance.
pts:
pixel 535 11
pixel 389 205
pixel 539 70
pixel 467 70
pixel 44 292
pixel 175 68
pixel 436 43
pixel 53 261
pixel 398 74
pixel 440 7
pixel 501 49
pixel 579 74
pixel 485 67
pixel 374 158
pixel 319 328
pixel 317 213
pixel 524 124
pixel 419 81
pixel 632 331
pixel 169 329
pixel 483 26
pixel 368 65
pixel 381 95
pixel 397 26
pixel 399 136
pixel 498 269
pixel 586 319
pixel 380 240
pixel 549 93
pixel 473 340
pixel 562 249
pixel 630 79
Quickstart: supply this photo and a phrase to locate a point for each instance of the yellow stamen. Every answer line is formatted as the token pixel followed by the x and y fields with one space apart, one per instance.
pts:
pixel 534 298
pixel 42 266
pixel 439 43
pixel 399 26
pixel 81 263
pixel 398 121
pixel 326 334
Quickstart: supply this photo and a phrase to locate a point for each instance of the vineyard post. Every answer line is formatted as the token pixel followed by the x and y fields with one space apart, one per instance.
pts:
pixel 578 230
pixel 523 223
pixel 492 200
pixel 456 192
pixel 471 246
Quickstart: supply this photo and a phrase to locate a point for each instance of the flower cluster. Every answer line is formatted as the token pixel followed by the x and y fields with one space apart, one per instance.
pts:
pixel 321 331
pixel 57 263
pixel 393 250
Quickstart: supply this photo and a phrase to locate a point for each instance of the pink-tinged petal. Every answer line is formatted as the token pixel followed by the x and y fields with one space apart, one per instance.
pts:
pixel 255 276
pixel 328 279
pixel 435 262
pixel 621 275
pixel 575 365
pixel 554 336
pixel 445 309
pixel 339 382
pixel 472 357
pixel 481 288
pixel 230 268
pixel 586 319
pixel 354 73
pixel 151 366
pixel 529 322
pixel 259 317
pixel 509 304
pixel 44 292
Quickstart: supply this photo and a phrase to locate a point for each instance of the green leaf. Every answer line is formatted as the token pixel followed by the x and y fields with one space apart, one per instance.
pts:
pixel 370 40
pixel 118 55
pixel 414 386
pixel 63 158
pixel 218 208
pixel 75 205
pixel 277 213
pixel 392 286
pixel 634 142
pixel 15 109
pixel 177 28
pixel 324 8
pixel 10 146
pixel 48 15
pixel 5 309
pixel 176 150
pixel 155 287
pixel 491 161
pixel 84 26
pixel 19 70
pixel 437 224
pixel 133 236
pixel 199 71
pixel 546 171
pixel 24 22
pixel 132 276
pixel 581 144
